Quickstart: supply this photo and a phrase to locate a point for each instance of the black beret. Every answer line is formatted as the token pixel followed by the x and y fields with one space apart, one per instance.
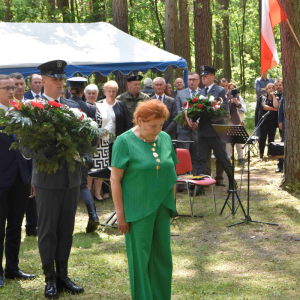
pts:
pixel 205 70
pixel 134 78
pixel 54 68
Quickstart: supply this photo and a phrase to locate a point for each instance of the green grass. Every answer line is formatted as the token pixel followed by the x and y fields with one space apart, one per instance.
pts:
pixel 211 261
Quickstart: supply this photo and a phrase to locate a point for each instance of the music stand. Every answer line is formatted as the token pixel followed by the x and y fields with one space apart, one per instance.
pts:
pixel 233 134
pixel 250 142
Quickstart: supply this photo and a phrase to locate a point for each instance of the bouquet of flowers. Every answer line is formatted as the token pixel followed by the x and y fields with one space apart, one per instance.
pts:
pixel 200 107
pixel 50 125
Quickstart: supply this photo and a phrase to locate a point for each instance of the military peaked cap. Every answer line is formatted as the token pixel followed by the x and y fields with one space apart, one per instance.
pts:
pixel 205 70
pixel 54 68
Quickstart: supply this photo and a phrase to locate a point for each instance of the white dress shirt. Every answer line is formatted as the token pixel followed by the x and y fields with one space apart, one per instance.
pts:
pixel 49 98
pixel 34 94
pixel 6 108
pixel 162 97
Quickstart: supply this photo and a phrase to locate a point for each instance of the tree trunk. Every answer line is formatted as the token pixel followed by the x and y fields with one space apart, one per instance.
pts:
pixel 65 8
pixel 218 47
pixel 59 4
pixel 120 20
pixel 154 3
pixel 72 10
pixel 202 33
pixel 226 44
pixel 171 32
pixel 52 4
pixel 185 31
pixel 7 11
pixel 290 54
pixel 120 14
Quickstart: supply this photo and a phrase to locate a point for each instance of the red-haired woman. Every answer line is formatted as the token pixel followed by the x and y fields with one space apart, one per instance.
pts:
pixel 143 182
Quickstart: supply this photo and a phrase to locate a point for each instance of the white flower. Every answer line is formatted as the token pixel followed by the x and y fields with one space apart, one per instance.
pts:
pixel 217 106
pixel 202 97
pixel 94 124
pixel 78 114
pixel 212 99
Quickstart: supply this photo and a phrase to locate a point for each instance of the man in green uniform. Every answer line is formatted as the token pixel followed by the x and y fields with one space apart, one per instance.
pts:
pixel 133 95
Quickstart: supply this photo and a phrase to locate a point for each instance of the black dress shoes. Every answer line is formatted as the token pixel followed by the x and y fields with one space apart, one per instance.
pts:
pixel 1 282
pixel 278 170
pixel 51 289
pixel 220 184
pixel 18 274
pixel 68 286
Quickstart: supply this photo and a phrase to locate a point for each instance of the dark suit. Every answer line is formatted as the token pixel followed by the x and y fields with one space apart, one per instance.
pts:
pixel 28 95
pixel 57 197
pixel 14 192
pixel 170 125
pixel 183 132
pixel 208 138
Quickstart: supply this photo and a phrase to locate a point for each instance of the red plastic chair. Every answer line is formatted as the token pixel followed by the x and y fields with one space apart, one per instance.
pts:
pixel 185 166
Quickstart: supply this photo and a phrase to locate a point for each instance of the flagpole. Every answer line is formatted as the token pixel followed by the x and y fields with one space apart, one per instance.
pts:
pixel 293 32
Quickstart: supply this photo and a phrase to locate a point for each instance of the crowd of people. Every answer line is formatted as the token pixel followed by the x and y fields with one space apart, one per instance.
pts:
pixel 140 153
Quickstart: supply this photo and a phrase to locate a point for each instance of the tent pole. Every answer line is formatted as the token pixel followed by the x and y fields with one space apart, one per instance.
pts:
pixel 186 72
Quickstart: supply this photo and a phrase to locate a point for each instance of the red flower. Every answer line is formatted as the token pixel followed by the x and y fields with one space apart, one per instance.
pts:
pixel 55 104
pixel 37 104
pixel 200 105
pixel 184 103
pixel 191 105
pixel 15 104
pixel 195 99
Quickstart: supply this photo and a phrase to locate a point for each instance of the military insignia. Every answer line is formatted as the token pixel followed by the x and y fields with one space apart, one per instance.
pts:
pixel 59 64
pixel 137 77
pixel 202 68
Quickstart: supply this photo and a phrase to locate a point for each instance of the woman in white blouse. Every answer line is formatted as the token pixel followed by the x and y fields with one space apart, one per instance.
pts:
pixel 114 116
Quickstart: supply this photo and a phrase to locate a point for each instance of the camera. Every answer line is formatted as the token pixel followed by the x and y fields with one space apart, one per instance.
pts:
pixel 234 93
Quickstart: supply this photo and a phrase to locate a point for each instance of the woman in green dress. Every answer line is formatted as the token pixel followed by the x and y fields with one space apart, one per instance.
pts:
pixel 143 182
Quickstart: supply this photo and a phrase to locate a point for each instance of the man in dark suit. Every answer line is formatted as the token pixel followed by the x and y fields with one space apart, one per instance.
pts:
pixel 57 197
pixel 15 189
pixel 31 212
pixel 76 89
pixel 36 86
pixel 170 125
pixel 207 137
pixel 183 132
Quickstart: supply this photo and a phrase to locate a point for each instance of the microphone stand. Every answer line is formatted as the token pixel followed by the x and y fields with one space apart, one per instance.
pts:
pixel 250 142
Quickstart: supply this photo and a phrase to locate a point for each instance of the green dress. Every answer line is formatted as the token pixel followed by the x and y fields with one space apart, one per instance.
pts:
pixel 143 190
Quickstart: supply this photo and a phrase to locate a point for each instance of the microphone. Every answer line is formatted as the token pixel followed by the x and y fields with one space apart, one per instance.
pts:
pixel 263 117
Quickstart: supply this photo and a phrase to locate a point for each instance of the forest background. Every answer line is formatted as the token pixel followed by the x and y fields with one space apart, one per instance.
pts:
pixel 222 33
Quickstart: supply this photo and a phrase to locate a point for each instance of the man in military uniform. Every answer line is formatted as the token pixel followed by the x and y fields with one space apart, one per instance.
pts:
pixel 76 89
pixel 134 94
pixel 57 197
pixel 207 137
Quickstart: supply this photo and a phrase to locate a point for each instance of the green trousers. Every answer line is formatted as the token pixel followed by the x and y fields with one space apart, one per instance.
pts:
pixel 149 256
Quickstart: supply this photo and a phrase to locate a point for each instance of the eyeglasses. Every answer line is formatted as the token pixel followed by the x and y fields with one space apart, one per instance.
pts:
pixel 8 88
pixel 193 79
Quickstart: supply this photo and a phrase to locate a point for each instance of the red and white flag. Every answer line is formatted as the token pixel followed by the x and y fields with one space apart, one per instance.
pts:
pixel 271 15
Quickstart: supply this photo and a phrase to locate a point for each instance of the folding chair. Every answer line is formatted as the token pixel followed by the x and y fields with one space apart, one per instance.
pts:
pixel 185 166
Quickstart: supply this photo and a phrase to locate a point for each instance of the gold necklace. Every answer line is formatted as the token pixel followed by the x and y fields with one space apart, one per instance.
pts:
pixel 155 155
